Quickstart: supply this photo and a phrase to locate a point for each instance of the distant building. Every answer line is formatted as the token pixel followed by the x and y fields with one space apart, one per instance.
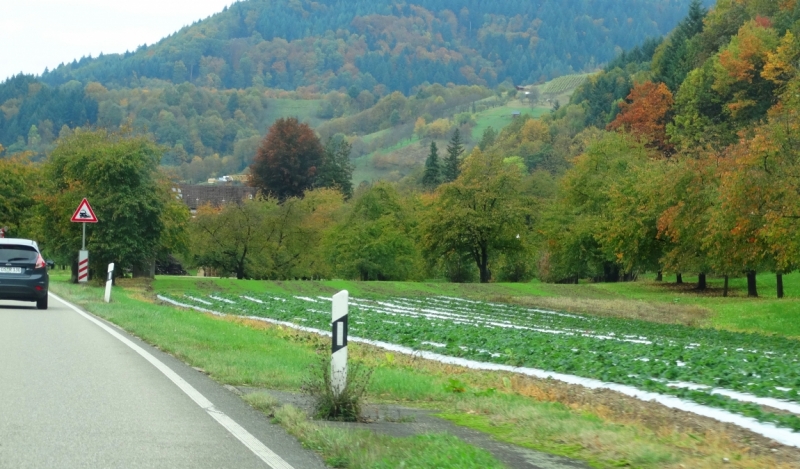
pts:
pixel 515 114
pixel 195 196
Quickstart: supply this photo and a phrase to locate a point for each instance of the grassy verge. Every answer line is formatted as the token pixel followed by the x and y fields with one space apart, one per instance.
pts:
pixel 241 352
pixel 363 449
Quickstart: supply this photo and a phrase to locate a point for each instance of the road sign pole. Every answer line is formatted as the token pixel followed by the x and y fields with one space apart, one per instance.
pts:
pixel 83 215
pixel 339 342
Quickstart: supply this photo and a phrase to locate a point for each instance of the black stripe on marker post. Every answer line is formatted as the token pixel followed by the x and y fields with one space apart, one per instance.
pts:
pixel 339 334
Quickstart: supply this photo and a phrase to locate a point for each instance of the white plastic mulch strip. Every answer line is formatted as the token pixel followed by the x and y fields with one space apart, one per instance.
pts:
pixel 740 396
pixel 781 435
pixel 222 299
pixel 199 300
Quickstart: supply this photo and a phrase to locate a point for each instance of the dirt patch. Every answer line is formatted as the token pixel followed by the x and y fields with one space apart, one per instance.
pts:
pixel 662 420
pixel 691 289
pixel 400 421
pixel 139 284
pixel 662 312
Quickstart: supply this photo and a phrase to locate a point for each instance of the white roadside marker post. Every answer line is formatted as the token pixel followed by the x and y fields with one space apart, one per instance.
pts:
pixel 339 342
pixel 83 263
pixel 109 281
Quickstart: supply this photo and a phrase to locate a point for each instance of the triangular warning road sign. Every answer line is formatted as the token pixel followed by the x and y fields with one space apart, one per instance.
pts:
pixel 84 213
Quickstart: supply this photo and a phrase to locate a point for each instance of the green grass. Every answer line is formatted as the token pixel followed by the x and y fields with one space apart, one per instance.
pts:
pixel 499 117
pixel 240 352
pixel 370 137
pixel 364 165
pixel 363 449
pixel 305 110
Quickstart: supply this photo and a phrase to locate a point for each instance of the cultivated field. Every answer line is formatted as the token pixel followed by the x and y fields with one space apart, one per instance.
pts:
pixel 747 374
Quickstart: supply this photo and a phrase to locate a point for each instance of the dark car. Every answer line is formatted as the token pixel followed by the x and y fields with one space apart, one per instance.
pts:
pixel 23 272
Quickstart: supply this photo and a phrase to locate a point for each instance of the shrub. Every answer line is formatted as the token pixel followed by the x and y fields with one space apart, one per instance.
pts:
pixel 344 406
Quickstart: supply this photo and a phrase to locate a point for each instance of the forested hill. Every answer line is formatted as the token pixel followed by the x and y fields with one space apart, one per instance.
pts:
pixel 330 44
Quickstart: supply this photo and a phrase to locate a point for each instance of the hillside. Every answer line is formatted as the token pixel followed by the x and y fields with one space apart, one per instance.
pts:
pixel 331 44
pixel 210 91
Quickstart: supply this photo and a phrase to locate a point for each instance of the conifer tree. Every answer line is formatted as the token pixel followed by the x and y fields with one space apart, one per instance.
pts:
pixel 677 58
pixel 433 173
pixel 454 150
pixel 488 138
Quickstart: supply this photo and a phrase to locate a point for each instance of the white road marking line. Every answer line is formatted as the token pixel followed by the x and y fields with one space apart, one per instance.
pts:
pixel 257 447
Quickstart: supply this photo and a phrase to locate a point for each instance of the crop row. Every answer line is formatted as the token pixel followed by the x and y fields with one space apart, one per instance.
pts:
pixel 562 84
pixel 671 359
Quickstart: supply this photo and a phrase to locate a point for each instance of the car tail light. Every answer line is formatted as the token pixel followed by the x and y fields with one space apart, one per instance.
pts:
pixel 40 263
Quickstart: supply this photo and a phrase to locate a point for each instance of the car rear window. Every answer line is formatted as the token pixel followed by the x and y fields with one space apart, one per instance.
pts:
pixel 15 253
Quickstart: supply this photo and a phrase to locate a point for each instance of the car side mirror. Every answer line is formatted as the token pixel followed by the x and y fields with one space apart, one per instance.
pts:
pixel 51 264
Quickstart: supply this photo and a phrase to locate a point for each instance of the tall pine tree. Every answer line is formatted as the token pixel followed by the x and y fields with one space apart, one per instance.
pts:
pixel 336 171
pixel 454 150
pixel 433 173
pixel 678 57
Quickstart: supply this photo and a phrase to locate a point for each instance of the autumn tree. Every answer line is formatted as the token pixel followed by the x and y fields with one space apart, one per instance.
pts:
pixel 118 173
pixel 480 214
pixel 644 113
pixel 375 241
pixel 757 216
pixel 18 188
pixel 432 176
pixel 592 199
pixel 288 160
pixel 231 239
pixel 453 159
pixel 688 193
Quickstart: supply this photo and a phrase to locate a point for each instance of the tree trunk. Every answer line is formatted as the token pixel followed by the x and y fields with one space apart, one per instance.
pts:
pixel 725 288
pixel 659 276
pixel 577 280
pixel 701 282
pixel 779 276
pixel 73 278
pixel 483 266
pixel 679 279
pixel 752 291
pixel 146 270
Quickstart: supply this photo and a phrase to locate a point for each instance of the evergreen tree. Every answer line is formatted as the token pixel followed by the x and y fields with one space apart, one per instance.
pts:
pixel 488 138
pixel 433 175
pixel 336 171
pixel 677 58
pixel 454 151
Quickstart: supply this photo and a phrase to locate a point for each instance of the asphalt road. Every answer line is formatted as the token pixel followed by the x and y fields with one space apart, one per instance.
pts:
pixel 74 396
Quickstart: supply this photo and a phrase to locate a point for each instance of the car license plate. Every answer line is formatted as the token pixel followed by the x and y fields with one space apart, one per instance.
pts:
pixel 10 270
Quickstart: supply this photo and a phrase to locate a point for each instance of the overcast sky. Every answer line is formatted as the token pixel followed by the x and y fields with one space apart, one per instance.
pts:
pixel 35 34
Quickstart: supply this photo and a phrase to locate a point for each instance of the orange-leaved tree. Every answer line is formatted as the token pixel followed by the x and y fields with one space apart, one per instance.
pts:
pixel 645 112
pixel 760 193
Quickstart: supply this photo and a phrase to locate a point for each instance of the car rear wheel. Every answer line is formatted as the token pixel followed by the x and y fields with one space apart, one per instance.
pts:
pixel 41 304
